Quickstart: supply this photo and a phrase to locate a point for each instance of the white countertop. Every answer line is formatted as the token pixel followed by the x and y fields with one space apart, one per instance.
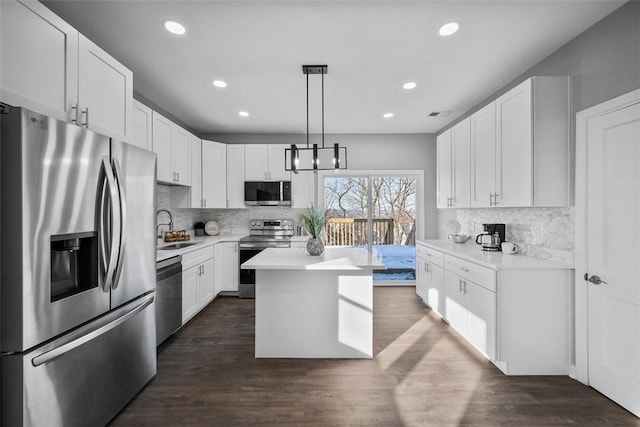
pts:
pixel 333 258
pixel 200 242
pixel 495 260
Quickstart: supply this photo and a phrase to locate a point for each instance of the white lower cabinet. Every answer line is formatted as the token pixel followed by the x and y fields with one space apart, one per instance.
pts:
pixel 197 281
pixel 430 284
pixel 519 317
pixel 227 267
pixel 471 310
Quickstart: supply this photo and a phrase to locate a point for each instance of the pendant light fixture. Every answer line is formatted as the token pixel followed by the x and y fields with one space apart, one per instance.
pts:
pixel 314 157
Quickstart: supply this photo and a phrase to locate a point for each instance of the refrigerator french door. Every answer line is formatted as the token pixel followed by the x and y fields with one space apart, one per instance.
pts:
pixel 77 325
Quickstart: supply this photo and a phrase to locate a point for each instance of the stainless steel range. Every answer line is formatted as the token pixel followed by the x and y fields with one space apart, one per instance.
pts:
pixel 263 234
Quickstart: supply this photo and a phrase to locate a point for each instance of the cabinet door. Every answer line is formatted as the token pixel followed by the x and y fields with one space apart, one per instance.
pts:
pixel 461 164
pixel 436 289
pixel 443 147
pixel 190 292
pixel 303 189
pixel 277 171
pixel 455 303
pixel 38 60
pixel 206 283
pixel 483 156
pixel 255 162
pixel 214 174
pixel 421 278
pixel 142 125
pixel 235 176
pixel 181 155
pixel 514 146
pixel 481 318
pixel 162 147
pixel 196 173
pixel 105 92
pixel 227 266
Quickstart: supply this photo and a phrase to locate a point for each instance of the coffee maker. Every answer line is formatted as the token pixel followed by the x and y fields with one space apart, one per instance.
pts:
pixel 492 237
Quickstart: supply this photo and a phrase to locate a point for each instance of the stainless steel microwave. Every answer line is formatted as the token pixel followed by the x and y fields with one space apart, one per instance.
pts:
pixel 267 193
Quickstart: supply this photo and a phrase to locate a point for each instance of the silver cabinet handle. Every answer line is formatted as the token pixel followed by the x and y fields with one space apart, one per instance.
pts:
pixel 101 330
pixel 85 113
pixel 490 199
pixel 596 280
pixel 495 199
pixel 459 285
pixel 122 202
pixel 204 203
pixel 74 109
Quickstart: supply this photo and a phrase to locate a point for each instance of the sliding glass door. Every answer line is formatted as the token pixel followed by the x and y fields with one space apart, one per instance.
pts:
pixel 377 212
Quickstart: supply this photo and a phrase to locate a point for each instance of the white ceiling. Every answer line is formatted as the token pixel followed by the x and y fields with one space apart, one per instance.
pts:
pixel 371 48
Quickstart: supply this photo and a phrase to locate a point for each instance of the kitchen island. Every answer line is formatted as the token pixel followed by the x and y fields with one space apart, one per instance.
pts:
pixel 314 306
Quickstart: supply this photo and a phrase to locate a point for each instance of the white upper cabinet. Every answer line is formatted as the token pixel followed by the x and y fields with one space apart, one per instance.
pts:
pixel 181 155
pixel 142 126
pixel 162 147
pixel 195 199
pixel 172 144
pixel 277 170
pixel 38 59
pixel 265 162
pixel 235 175
pixel 532 140
pixel 48 67
pixel 461 164
pixel 520 147
pixel 214 175
pixel 483 156
pixel 105 92
pixel 256 162
pixel 444 167
pixel 303 189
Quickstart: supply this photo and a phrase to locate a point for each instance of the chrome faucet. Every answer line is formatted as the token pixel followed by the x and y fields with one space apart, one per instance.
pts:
pixel 170 223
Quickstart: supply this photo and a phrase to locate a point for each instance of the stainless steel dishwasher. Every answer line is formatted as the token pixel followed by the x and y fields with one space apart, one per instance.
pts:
pixel 168 297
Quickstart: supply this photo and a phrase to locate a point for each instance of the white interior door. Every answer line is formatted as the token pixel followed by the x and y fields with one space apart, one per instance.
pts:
pixel 613 254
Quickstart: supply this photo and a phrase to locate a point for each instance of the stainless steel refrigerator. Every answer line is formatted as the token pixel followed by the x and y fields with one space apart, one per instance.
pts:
pixel 77 289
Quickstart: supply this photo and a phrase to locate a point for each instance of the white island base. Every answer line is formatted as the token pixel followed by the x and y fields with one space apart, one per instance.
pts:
pixel 314 307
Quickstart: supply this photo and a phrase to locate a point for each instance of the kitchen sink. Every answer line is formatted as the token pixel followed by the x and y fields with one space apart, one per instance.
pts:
pixel 174 246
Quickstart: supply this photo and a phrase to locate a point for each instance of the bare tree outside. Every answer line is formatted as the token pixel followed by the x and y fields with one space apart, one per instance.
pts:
pixel 393 202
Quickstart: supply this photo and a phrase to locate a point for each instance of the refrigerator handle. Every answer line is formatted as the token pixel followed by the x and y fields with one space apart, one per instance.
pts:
pixel 123 222
pixel 115 217
pixel 95 333
pixel 103 227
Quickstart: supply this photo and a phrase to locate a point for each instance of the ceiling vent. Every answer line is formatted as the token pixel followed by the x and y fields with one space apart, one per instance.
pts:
pixel 439 113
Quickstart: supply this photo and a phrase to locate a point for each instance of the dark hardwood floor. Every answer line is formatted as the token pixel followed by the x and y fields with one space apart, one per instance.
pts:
pixel 423 374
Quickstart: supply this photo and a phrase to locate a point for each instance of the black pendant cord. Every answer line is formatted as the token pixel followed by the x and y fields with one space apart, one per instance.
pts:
pixel 322 110
pixel 307 110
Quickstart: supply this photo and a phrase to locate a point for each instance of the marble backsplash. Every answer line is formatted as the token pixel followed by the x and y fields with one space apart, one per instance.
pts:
pixel 232 221
pixel 546 233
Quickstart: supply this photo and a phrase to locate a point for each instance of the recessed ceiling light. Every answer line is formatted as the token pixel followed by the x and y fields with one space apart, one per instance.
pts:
pixel 174 27
pixel 243 114
pixel 409 85
pixel 448 29
pixel 219 83
pixel 387 115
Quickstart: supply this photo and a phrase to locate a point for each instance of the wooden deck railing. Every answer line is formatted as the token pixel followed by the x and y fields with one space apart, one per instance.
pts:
pixel 353 231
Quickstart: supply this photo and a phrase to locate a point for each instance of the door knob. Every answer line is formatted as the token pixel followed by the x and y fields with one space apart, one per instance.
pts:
pixel 596 280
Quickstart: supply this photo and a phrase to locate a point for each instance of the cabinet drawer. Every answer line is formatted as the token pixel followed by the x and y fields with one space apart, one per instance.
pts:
pixel 483 276
pixel 196 257
pixel 434 257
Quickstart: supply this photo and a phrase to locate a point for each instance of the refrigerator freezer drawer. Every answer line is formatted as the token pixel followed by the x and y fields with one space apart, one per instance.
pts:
pixel 84 378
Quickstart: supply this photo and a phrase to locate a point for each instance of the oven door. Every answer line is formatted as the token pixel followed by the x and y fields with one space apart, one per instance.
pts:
pixel 248 277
